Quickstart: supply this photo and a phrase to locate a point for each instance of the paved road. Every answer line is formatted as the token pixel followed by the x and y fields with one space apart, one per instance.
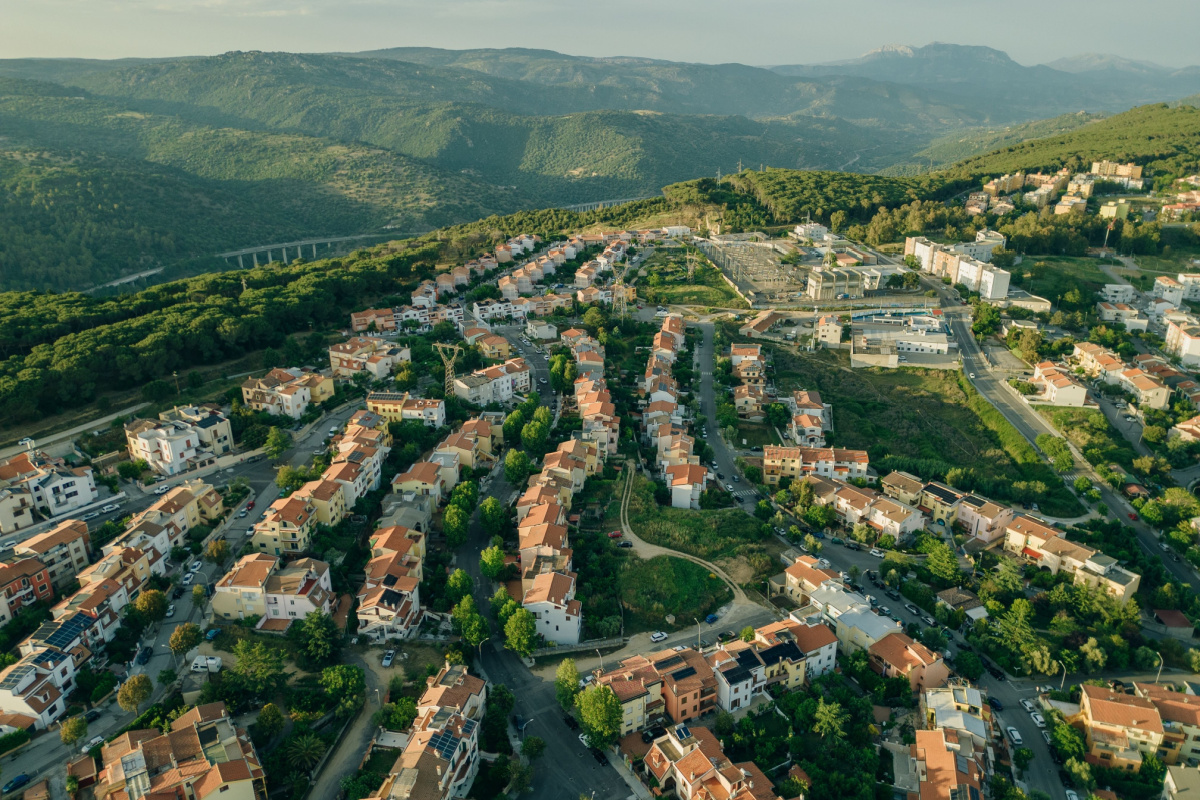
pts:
pixel 724 456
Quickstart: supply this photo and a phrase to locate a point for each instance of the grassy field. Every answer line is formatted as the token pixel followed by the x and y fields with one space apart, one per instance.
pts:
pixel 757 434
pixel 929 415
pixel 1089 430
pixel 1052 277
pixel 667 282
pixel 707 534
pixel 650 590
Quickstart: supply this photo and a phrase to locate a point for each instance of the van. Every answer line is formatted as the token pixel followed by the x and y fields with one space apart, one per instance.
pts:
pixel 206 664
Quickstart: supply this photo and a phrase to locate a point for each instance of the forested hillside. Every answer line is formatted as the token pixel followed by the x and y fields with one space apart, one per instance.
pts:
pixel 1162 138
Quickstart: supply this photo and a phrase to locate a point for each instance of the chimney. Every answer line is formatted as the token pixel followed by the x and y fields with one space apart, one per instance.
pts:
pixel 439 770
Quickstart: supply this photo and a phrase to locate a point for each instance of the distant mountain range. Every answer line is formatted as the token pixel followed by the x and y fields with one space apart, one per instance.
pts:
pixel 420 137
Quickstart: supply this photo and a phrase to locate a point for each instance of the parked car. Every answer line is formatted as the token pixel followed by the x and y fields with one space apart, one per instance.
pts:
pixel 177 593
pixel 1015 736
pixel 1038 719
pixel 885 611
pixel 729 487
pixel 995 704
pixel 389 657
pixel 892 593
pixel 188 577
pixel 144 655
pixel 615 535
pixel 1133 517
pixel 711 618
pixel 92 715
pixel 171 610
pixel 195 566
pixel 1028 706
pixel 726 636
pixel 106 510
pixel 625 544
pixel 602 759
pixel 571 722
pixel 658 636
pixel 16 783
pixel 875 551
pixel 1046 736
pixel 90 515
pixel 1072 794
pixel 162 490
pixel 242 514
pixel 910 608
pixel 212 634
pixel 95 740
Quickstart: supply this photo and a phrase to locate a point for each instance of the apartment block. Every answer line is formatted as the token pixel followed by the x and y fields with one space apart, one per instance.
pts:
pixel 287 392
pixel 693 763
pixel 796 462
pixel 1032 540
pixel 898 655
pixel 63 550
pixel 261 585
pixel 401 406
pixel 33 485
pixel 370 354
pixel 287 528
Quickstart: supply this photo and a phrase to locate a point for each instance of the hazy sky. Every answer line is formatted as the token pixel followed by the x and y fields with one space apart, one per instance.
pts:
pixel 747 31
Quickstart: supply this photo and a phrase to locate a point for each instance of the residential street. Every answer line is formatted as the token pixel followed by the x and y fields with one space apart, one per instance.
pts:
pixel 566 769
pixel 726 459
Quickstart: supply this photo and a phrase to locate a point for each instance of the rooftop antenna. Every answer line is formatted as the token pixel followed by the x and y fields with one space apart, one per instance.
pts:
pixel 448 352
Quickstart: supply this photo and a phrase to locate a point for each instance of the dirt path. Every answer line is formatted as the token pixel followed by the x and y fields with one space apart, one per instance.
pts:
pixel 646 550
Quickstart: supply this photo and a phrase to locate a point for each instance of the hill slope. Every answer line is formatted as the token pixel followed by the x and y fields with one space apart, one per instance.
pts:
pixel 1163 138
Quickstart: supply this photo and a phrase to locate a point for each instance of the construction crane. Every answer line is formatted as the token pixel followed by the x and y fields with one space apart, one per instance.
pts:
pixel 449 353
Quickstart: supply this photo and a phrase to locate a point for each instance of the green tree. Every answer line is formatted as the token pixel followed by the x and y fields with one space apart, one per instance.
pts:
pixel 491 562
pixel 455 525
pixel 942 564
pixel 566 683
pixel 747 634
pixel 198 596
pixel 829 719
pixel 166 677
pixel 135 691
pixel 1008 577
pixel 72 730
pixel 593 317
pixel 278 442
pixel 151 604
pixel 520 633
pixel 305 751
pixel 512 426
pixel 600 715
pixel 185 636
pixel 533 747
pixel 458 585
pixel 157 391
pixel 534 436
pixel 836 220
pixel 516 467
pixel 348 684
pixel 270 721
pixel 396 716
pixel 1014 630
pixel 968 665
pixel 493 516
pixel 320 638
pixel 259 667
pixel 1021 758
pixel 468 622
pixel 465 496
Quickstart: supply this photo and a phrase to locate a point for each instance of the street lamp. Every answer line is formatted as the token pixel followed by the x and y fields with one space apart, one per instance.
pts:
pixel 697 632
pixel 1160 666
pixel 601 657
pixel 481 645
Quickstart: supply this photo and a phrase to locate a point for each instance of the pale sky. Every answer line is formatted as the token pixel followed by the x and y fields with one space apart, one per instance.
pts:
pixel 746 31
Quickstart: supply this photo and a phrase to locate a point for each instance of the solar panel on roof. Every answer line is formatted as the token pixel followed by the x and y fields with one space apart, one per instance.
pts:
pixel 445 743
pixel 18 674
pixel 682 732
pixel 686 672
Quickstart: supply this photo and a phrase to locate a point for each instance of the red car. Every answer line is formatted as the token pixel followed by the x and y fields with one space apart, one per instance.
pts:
pixel 615 535
pixel 1133 517
pixel 250 505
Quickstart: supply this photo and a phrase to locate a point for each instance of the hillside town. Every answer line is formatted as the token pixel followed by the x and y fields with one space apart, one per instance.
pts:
pixel 528 524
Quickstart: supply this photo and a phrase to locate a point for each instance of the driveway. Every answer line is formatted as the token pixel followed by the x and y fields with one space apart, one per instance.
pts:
pixel 352 744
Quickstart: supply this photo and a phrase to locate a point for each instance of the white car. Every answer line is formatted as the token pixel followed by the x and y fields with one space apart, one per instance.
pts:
pixel 95 740
pixel 162 490
pixel 1038 719
pixel 1072 794
pixel 90 515
pixel 188 578
pixel 1046 737
pixel 1015 736
pixel 972 376
pixel 729 487
pixel 875 551
pixel 110 508
pixel 196 565
pixel 658 636
pixel 171 610
pixel 1028 706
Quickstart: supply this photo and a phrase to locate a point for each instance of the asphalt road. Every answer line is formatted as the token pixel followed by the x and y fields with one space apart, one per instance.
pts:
pixel 725 457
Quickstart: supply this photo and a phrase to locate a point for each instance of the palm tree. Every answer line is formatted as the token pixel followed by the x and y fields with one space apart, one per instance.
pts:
pixel 830 720
pixel 305 751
